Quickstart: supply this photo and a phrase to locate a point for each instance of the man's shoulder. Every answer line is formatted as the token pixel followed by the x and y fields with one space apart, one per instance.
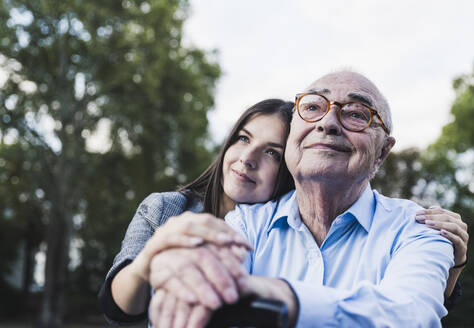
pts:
pixel 397 215
pixel 392 204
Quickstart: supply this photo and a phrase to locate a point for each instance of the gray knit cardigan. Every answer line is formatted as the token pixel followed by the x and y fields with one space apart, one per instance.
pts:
pixel 153 212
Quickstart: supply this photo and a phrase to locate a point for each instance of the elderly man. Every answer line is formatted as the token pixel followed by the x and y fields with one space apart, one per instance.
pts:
pixel 350 256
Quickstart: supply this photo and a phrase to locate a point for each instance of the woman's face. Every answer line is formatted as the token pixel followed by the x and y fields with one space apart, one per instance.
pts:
pixel 251 163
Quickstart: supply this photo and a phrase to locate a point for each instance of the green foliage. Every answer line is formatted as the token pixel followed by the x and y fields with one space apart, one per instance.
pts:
pixel 449 168
pixel 442 175
pixel 74 66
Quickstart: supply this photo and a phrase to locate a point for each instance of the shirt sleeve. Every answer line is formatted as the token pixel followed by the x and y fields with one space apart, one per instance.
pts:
pixel 235 219
pixel 409 295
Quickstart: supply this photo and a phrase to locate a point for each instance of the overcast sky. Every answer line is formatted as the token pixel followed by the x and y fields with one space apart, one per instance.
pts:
pixel 412 50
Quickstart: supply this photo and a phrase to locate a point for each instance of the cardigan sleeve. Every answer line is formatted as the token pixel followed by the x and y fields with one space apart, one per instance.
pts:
pixel 455 296
pixel 140 229
pixel 153 212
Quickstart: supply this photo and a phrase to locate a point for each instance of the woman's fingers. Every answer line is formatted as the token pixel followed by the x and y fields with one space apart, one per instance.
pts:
pixel 437 212
pixel 460 247
pixel 451 226
pixel 207 227
pixel 190 230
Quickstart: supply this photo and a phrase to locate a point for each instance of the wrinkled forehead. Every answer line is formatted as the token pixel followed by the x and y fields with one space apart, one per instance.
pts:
pixel 346 86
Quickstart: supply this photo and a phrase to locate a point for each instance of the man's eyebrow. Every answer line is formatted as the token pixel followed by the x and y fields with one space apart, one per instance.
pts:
pixel 366 100
pixel 319 91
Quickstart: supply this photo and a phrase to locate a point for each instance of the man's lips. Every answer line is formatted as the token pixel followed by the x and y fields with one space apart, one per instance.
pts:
pixel 242 176
pixel 329 146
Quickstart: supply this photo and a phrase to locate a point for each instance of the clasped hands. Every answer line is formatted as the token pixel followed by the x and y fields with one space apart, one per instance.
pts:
pixel 194 265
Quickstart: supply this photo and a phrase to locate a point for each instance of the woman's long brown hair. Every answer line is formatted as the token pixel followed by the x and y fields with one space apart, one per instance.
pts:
pixel 208 186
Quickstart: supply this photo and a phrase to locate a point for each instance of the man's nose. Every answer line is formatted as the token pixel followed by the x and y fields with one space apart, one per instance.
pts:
pixel 330 122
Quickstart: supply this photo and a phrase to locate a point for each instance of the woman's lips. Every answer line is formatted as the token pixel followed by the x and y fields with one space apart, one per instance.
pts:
pixel 242 176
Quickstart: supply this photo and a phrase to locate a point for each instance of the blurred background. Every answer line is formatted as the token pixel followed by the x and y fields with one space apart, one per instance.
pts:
pixel 104 102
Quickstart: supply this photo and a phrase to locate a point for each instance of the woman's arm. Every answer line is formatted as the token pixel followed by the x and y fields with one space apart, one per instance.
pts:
pixel 453 228
pixel 130 287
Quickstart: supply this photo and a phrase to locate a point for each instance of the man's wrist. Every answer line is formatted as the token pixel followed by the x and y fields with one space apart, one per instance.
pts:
pixel 292 303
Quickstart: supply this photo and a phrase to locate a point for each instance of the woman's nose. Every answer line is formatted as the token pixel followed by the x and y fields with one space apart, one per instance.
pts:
pixel 248 158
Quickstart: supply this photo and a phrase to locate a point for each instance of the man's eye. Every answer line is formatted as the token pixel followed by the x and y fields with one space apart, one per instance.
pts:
pixel 358 115
pixel 312 108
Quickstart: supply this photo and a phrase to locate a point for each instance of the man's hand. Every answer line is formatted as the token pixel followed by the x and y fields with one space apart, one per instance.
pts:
pixel 187 230
pixel 207 274
pixel 274 289
pixel 167 311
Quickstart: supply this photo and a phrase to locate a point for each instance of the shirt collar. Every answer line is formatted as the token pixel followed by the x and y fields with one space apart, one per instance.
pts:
pixel 287 212
pixel 363 209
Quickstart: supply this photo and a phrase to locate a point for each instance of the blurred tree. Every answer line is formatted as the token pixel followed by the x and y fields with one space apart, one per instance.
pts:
pixel 448 168
pixel 399 174
pixel 21 229
pixel 442 175
pixel 81 69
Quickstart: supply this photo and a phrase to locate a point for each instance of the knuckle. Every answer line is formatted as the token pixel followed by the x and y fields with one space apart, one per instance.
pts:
pixel 188 225
pixel 205 218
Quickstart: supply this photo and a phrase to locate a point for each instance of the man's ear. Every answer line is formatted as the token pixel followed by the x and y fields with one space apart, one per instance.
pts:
pixel 387 146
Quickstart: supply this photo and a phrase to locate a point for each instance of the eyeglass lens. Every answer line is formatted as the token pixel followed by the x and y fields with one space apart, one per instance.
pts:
pixel 352 115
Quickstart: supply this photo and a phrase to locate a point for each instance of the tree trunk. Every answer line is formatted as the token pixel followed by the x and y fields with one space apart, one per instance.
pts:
pixel 28 267
pixel 57 255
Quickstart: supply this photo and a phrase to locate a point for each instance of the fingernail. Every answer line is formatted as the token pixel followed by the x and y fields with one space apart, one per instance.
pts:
pixel 430 222
pixel 213 301
pixel 420 212
pixel 443 232
pixel 224 238
pixel 230 295
pixel 420 217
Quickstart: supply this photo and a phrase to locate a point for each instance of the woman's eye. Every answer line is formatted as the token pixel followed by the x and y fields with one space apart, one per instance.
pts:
pixel 276 155
pixel 243 138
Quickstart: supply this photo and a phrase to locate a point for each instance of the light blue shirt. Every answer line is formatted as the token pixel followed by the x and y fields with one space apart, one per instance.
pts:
pixel 377 266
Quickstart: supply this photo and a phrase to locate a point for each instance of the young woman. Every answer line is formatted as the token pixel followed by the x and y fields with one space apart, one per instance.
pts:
pixel 248 169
